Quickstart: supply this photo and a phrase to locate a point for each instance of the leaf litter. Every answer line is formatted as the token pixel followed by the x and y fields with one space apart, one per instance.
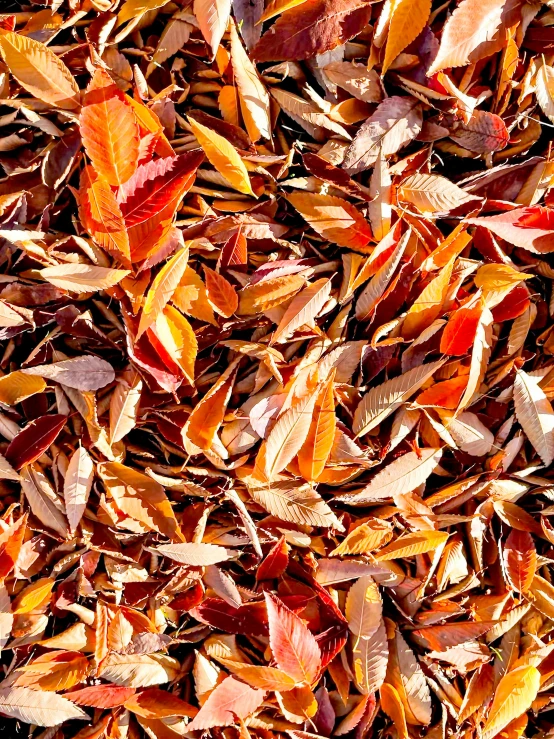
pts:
pixel 276 425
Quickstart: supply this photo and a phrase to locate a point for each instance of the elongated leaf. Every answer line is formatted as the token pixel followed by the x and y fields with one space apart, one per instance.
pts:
pixel 412 544
pixel 312 28
pixel 223 156
pixel 407 21
pixel 403 475
pixel 514 695
pixel 432 193
pixel 288 435
pixel 304 307
pixel 82 373
pixel 109 130
pixel 395 123
pixel 535 414
pixel 198 555
pixel 470 25
pixel 230 700
pixel 36 707
pixel 315 450
pixel 254 98
pixel 161 291
pixel 294 647
pixel 82 278
pixel 334 218
pixel 77 485
pixel 384 399
pixel 39 70
pixel 297 503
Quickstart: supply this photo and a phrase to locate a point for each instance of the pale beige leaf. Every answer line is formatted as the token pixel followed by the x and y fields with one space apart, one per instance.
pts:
pixel 288 435
pixel 44 502
pixel 195 555
pixel 304 307
pixel 432 193
pixel 369 661
pixel 381 401
pixel 545 90
pixel 139 670
pixel 87 373
pixel 124 405
pixel 534 413
pixel 395 123
pixel 356 79
pixel 401 476
pixel 83 278
pixel 77 485
pixel 295 502
pixel 212 17
pixel 38 707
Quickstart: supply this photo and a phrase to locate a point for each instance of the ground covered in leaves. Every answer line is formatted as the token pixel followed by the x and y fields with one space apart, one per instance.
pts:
pixel 276 369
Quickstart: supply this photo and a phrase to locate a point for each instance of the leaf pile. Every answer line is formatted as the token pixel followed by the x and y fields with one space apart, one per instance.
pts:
pixel 277 365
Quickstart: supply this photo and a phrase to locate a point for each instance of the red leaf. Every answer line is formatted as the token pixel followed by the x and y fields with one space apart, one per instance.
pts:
pixel 34 439
pixel 100 696
pixel 311 28
pixel 460 331
pixel 275 563
pixel 157 184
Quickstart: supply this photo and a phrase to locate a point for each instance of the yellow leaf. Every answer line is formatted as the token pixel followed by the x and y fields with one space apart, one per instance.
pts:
pixel 179 340
pixel 254 99
pixel 427 306
pixel 17 386
pixel 412 544
pixel 408 20
pixel 223 156
pixel 498 276
pixel 161 291
pixel 514 695
pixel 364 539
pixel 39 70
pixel 394 708
pixel 267 294
pixel 132 9
pixel 276 7
pixel 34 596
